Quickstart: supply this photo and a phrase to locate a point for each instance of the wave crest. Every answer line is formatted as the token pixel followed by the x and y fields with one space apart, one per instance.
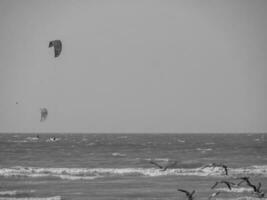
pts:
pixel 242 198
pixel 15 192
pixel 236 190
pixel 92 173
pixel 32 198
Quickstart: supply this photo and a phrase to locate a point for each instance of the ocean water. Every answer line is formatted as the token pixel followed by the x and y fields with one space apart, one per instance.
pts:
pixel 116 166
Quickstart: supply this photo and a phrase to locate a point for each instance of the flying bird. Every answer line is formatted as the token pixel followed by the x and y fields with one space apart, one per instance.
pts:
pixel 228 184
pixel 188 194
pixel 256 189
pixel 163 168
pixel 243 179
pixel 57 44
pixel 44 113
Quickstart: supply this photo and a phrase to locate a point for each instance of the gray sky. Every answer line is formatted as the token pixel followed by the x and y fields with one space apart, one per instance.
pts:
pixel 134 66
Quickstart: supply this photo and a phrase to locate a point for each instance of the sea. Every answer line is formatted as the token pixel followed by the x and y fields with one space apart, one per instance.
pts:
pixel 118 166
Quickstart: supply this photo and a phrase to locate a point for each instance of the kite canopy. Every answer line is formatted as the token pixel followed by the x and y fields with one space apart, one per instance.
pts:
pixel 44 114
pixel 57 44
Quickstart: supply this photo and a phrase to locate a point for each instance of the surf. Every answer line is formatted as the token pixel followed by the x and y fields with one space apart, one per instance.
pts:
pixel 93 173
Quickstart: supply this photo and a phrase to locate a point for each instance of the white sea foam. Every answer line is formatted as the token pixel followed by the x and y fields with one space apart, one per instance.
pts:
pixel 204 150
pixel 236 190
pixel 116 154
pixel 158 159
pixel 252 170
pixel 18 141
pixel 62 173
pixel 209 143
pixel 92 173
pixel 70 177
pixel 32 198
pixel 242 198
pixel 15 192
pixel 32 138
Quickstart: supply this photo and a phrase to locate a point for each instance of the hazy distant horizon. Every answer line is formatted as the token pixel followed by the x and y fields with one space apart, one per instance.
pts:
pixel 134 66
pixel 130 133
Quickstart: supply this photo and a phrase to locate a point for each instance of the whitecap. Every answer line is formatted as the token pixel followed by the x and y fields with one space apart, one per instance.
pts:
pixel 15 192
pixel 93 173
pixel 32 198
pixel 18 141
pixel 236 190
pixel 33 138
pixel 116 154
pixel 242 198
pixel 158 159
pixel 70 177
pixel 209 143
pixel 204 149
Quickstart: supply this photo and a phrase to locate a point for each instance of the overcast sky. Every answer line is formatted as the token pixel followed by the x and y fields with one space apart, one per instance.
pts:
pixel 134 66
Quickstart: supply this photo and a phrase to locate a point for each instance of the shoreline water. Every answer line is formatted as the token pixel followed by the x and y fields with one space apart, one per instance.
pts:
pixel 104 166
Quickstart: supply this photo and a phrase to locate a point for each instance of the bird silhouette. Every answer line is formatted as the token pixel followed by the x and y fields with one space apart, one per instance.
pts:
pixel 227 183
pixel 256 189
pixel 188 194
pixel 163 168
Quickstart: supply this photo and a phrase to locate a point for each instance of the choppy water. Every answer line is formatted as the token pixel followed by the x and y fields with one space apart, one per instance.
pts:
pixel 116 166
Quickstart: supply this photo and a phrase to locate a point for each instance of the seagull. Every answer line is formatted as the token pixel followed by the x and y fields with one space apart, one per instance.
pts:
pixel 223 182
pixel 214 195
pixel 217 165
pixel 163 168
pixel 256 189
pixel 244 179
pixel 188 194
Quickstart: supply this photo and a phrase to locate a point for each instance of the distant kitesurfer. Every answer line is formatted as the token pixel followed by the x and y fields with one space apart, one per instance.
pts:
pixel 44 113
pixel 188 194
pixel 57 44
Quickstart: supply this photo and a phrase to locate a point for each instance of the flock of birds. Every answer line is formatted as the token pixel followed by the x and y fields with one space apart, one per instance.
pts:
pixel 190 195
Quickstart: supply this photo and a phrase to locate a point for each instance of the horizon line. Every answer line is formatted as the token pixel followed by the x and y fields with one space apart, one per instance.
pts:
pixel 133 133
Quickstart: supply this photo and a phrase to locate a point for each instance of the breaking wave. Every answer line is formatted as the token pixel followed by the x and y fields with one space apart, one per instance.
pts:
pixel 15 192
pixel 93 173
pixel 116 154
pixel 242 198
pixel 157 159
pixel 204 150
pixel 31 198
pixel 236 190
